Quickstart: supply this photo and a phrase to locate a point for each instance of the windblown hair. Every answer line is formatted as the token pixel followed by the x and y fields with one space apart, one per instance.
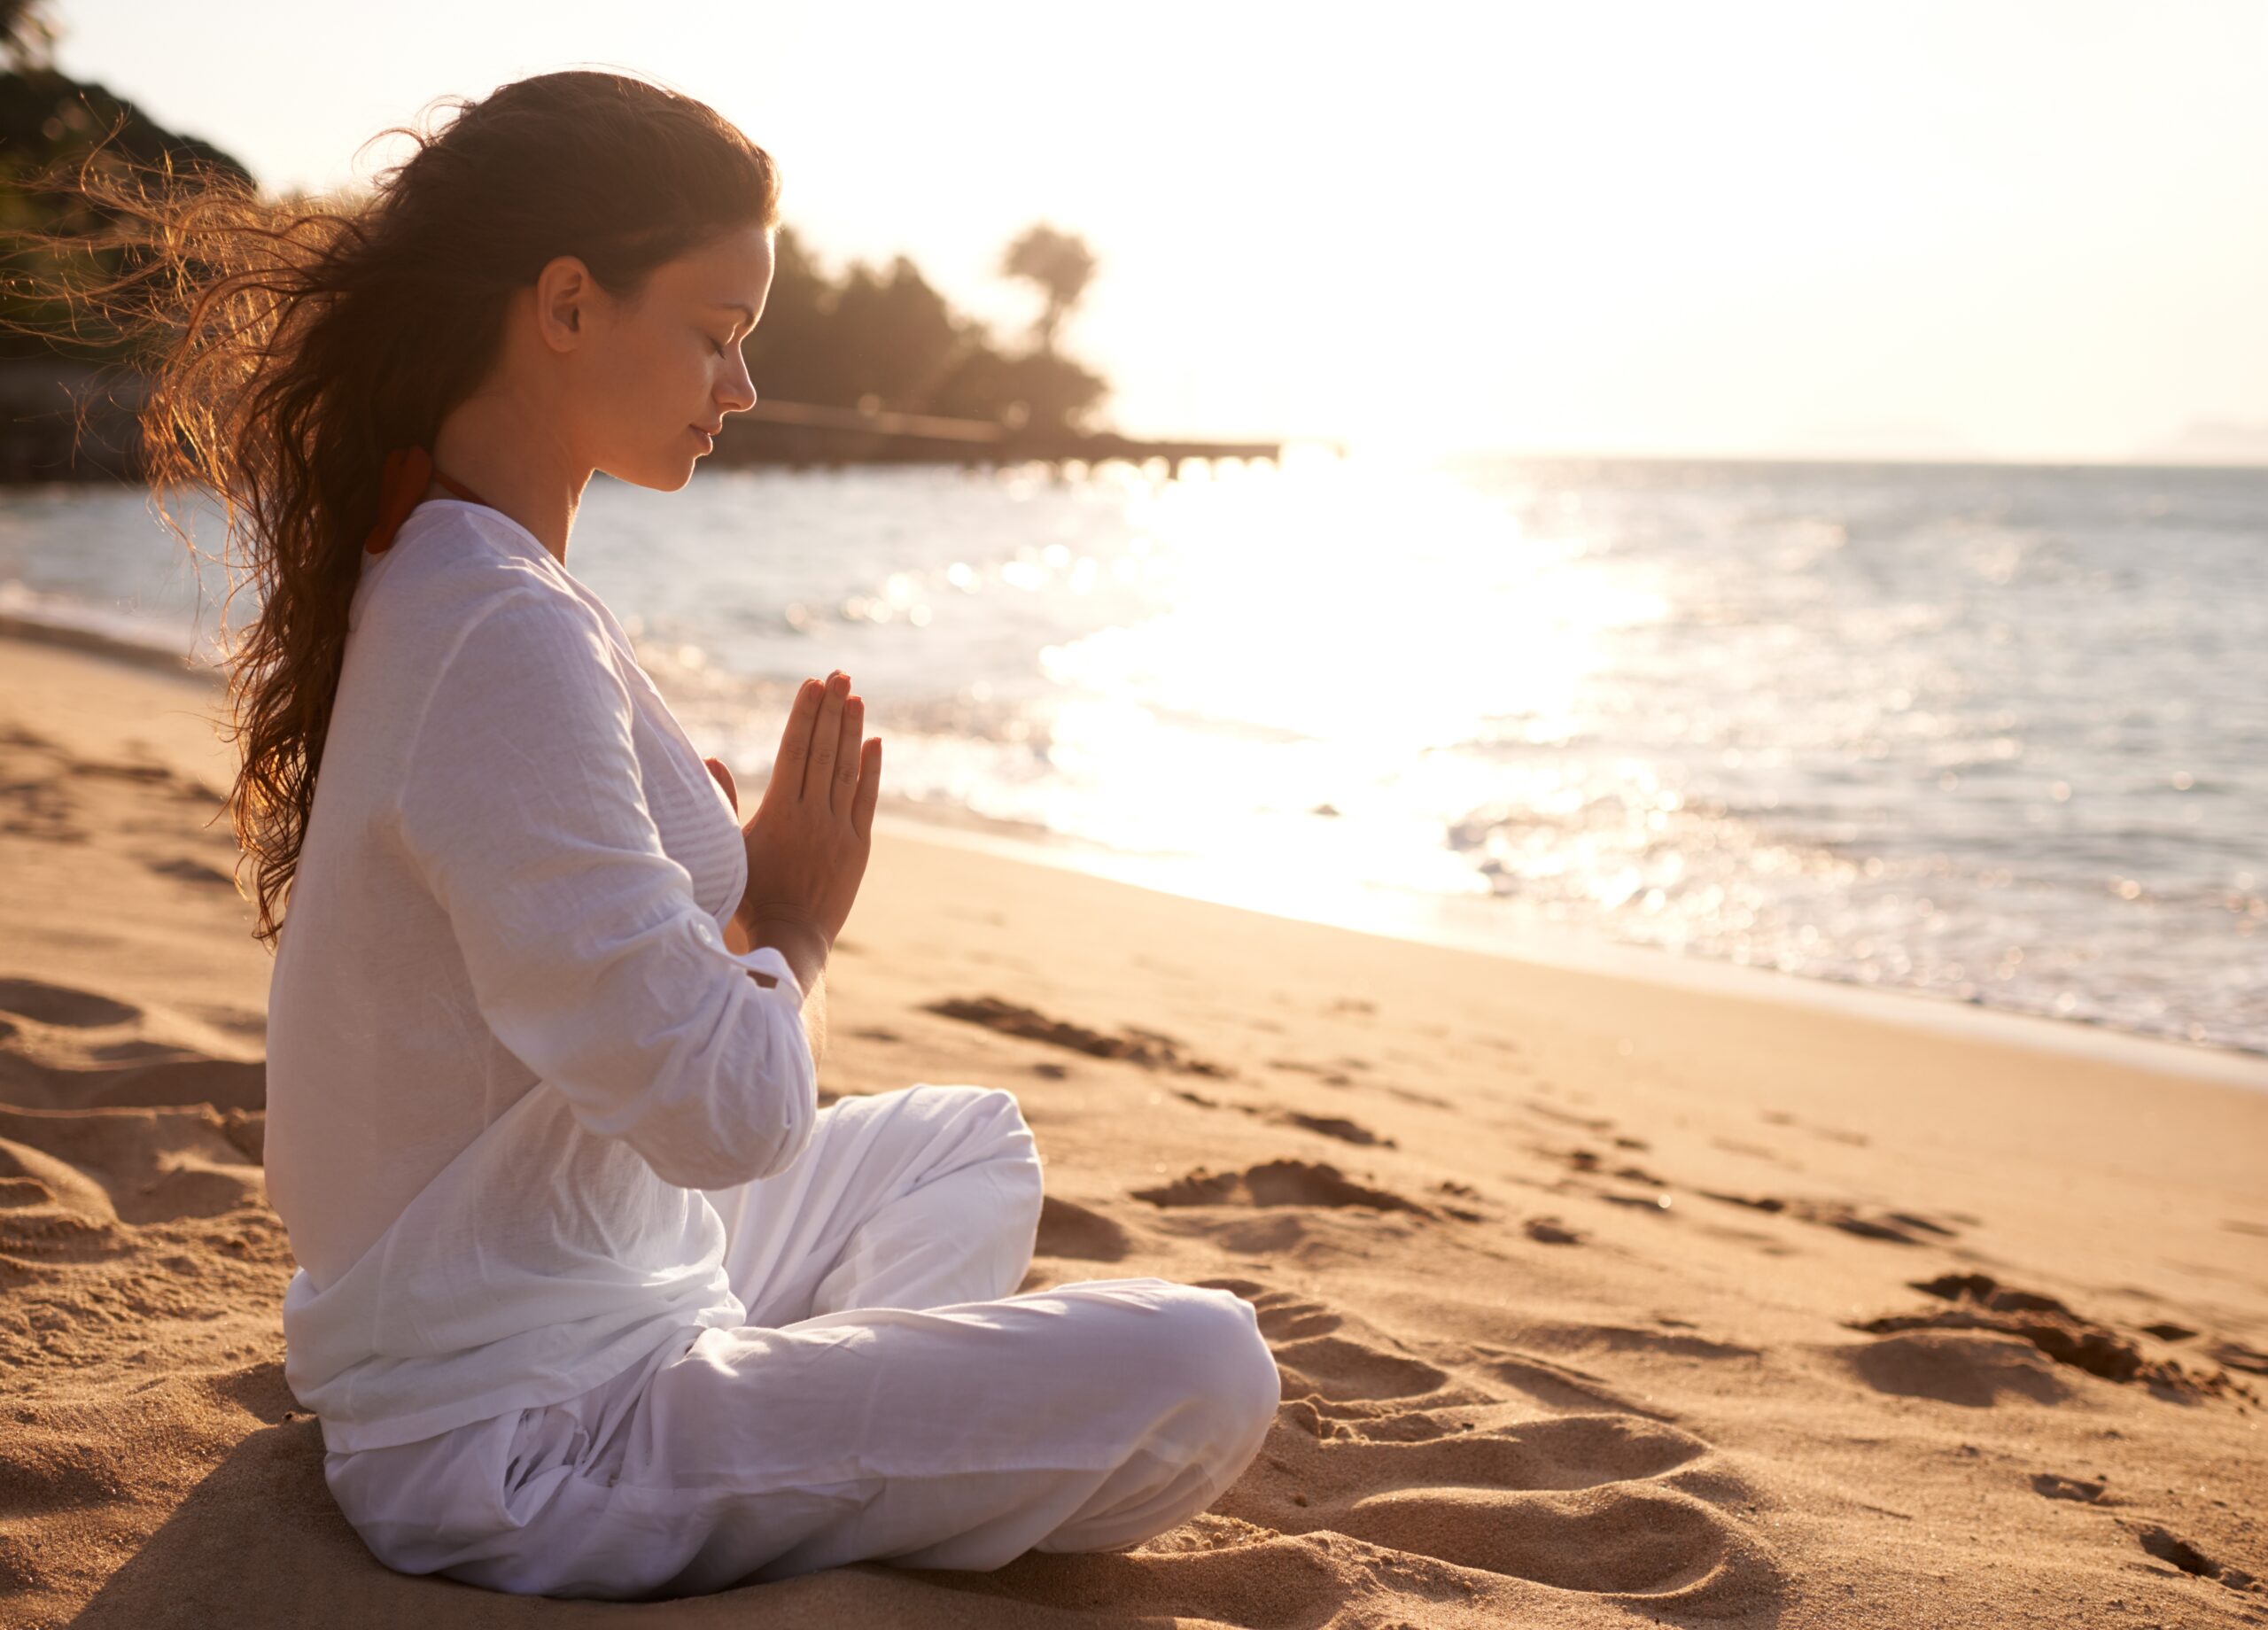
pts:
pixel 290 345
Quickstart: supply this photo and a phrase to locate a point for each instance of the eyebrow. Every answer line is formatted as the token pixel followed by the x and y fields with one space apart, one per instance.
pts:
pixel 748 312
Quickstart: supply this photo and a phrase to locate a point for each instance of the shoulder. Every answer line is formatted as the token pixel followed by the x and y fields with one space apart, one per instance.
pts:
pixel 457 567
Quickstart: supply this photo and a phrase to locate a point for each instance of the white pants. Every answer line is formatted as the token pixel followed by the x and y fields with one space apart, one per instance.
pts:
pixel 889 1398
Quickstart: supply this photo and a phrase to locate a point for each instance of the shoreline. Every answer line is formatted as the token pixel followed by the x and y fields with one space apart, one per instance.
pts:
pixel 1578 950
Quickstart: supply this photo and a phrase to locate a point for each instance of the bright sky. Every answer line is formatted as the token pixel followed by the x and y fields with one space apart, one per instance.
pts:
pixel 1995 227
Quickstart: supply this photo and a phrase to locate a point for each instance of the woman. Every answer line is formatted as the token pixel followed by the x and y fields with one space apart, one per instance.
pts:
pixel 592 1299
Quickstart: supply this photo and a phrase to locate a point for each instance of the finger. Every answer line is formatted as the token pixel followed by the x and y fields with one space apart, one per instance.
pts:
pixel 870 788
pixel 796 740
pixel 724 779
pixel 825 737
pixel 846 756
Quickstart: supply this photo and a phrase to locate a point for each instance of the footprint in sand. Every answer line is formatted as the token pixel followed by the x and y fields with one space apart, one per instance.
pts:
pixel 1437 1461
pixel 1973 1368
pixel 1149 1048
pixel 1325 1072
pixel 1667 1342
pixel 1551 1231
pixel 1986 1338
pixel 183 869
pixel 129 1166
pixel 1560 1385
pixel 2236 1356
pixel 1328 1359
pixel 1276 1183
pixel 74 1067
pixel 1588 1123
pixel 1072 1230
pixel 1339 1126
pixel 1903 1228
pixel 55 1005
pixel 154 1079
pixel 1337 1366
pixel 2168 1547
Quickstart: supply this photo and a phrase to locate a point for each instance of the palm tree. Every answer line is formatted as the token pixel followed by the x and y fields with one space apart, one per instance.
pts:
pixel 1060 263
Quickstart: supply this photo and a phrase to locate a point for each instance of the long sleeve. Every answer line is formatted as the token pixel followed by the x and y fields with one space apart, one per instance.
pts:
pixel 590 959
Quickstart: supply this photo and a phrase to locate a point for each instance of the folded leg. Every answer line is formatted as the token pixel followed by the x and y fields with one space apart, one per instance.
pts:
pixel 916 1198
pixel 1089 1416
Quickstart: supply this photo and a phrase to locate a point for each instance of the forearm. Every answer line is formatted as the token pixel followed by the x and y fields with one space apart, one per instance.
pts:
pixel 806 957
pixel 815 1014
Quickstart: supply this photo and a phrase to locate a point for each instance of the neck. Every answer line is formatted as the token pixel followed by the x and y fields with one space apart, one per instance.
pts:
pixel 516 462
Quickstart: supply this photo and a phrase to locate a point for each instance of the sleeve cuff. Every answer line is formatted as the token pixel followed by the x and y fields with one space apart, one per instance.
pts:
pixel 767 959
pixel 764 959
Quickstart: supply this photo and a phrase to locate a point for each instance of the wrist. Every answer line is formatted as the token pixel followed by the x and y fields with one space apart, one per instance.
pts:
pixel 798 938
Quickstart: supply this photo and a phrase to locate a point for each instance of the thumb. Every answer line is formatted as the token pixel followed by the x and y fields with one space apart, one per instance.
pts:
pixel 724 779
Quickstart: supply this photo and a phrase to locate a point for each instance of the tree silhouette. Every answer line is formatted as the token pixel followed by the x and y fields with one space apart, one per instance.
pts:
pixel 1061 265
pixel 26 35
pixel 885 337
pixel 873 337
pixel 51 124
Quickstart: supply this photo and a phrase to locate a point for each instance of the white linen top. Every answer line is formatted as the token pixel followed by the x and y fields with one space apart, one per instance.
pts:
pixel 507 1046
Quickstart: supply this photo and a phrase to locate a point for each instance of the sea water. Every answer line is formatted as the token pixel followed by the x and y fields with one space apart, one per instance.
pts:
pixel 1992 734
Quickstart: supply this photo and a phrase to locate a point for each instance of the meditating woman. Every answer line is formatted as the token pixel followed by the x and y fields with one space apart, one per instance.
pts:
pixel 592 1299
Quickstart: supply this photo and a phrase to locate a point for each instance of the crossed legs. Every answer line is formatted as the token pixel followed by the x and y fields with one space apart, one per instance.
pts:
pixel 891 1397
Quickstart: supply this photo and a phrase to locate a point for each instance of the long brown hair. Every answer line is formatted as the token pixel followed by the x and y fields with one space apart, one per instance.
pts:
pixel 292 343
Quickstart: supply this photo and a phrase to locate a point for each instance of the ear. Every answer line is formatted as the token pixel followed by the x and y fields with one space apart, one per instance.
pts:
pixel 563 291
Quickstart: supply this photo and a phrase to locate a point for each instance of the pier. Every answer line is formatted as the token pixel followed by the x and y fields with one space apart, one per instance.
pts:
pixel 805 436
pixel 43 438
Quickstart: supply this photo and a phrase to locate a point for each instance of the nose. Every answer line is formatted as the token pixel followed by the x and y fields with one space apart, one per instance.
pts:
pixel 738 393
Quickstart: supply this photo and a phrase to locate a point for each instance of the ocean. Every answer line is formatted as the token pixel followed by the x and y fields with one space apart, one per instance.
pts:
pixel 1991 735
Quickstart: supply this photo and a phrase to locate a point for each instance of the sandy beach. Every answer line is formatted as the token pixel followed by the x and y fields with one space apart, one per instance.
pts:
pixel 1596 1301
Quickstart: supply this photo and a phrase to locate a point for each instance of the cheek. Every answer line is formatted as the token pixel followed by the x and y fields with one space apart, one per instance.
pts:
pixel 652 388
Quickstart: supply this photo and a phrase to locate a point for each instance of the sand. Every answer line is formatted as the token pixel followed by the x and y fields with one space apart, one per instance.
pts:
pixel 1596 1301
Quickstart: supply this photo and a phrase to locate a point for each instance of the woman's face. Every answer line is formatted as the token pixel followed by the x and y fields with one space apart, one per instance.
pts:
pixel 661 371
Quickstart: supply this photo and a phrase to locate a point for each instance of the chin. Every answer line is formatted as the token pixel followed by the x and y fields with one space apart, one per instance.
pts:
pixel 662 476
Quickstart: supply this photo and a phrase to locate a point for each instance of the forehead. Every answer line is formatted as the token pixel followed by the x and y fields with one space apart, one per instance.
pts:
pixel 735 266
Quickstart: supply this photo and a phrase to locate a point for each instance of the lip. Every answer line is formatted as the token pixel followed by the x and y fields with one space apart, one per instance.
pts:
pixel 708 436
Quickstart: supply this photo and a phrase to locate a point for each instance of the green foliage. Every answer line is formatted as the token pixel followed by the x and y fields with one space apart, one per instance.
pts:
pixel 50 126
pixel 27 33
pixel 1061 264
pixel 875 336
pixel 885 338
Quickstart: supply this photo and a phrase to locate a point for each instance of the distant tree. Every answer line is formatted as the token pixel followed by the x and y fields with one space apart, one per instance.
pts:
pixel 1037 392
pixel 1061 264
pixel 26 35
pixel 894 337
pixel 790 355
pixel 874 336
pixel 51 124
pixel 1057 393
pixel 879 336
